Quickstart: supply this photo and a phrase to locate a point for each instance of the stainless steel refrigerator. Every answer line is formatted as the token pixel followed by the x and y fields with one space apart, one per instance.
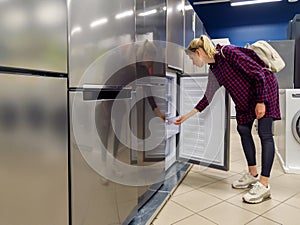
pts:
pixel 293 32
pixel 33 113
pixel 107 117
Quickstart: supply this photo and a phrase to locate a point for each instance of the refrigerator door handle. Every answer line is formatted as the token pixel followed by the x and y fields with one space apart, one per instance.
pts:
pixel 106 93
pixel 296 95
pixel 150 85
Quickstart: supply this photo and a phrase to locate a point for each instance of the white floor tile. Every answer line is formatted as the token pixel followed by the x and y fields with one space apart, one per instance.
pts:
pixel 195 220
pixel 294 201
pixel 228 214
pixel 261 220
pixel 214 173
pixel 182 188
pixel 196 200
pixel 221 190
pixel 197 180
pixel 171 213
pixel 284 214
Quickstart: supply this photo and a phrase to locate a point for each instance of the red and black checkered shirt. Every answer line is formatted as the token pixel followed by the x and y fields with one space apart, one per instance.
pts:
pixel 245 77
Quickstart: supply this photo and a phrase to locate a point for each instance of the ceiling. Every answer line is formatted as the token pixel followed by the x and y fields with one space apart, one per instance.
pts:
pixel 222 15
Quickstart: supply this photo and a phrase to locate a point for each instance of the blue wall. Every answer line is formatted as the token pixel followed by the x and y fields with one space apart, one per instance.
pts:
pixel 240 35
pixel 243 24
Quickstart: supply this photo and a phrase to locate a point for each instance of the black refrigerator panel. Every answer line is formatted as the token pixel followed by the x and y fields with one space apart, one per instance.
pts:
pixel 293 27
pixel 34 150
pixel 34 35
pixel 294 33
pixel 297 66
pixel 101 34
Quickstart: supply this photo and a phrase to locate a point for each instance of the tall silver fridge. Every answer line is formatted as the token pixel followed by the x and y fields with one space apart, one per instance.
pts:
pixel 293 32
pixel 33 113
pixel 107 116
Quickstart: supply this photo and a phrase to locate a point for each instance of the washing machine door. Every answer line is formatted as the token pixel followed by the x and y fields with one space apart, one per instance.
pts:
pixel 296 126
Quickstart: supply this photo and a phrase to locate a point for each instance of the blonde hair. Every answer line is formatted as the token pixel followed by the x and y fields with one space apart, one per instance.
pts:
pixel 203 42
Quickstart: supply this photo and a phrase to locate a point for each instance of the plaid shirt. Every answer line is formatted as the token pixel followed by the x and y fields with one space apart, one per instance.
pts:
pixel 244 76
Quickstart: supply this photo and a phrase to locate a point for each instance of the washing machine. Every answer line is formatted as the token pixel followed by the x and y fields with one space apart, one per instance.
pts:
pixel 287 131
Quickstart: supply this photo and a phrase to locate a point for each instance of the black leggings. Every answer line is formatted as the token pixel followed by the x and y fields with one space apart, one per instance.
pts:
pixel 267 143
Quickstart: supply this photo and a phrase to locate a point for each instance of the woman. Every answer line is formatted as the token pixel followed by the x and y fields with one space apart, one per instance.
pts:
pixel 254 90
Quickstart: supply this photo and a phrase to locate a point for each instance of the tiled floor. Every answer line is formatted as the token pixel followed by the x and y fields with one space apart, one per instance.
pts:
pixel 205 196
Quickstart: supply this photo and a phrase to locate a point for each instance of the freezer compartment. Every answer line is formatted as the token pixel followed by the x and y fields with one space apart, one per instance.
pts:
pixel 204 138
pixel 34 150
pixel 34 35
pixel 101 189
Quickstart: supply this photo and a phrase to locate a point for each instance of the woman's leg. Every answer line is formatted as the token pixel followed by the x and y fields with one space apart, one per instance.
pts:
pixel 248 146
pixel 268 148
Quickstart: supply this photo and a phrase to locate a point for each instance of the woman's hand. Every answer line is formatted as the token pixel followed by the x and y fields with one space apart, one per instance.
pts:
pixel 260 110
pixel 181 119
pixel 185 117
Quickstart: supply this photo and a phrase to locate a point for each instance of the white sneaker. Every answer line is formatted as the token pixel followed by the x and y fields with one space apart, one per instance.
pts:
pixel 257 193
pixel 245 181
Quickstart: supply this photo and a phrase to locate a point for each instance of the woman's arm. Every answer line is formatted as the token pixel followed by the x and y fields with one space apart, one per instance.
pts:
pixel 211 88
pixel 186 116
